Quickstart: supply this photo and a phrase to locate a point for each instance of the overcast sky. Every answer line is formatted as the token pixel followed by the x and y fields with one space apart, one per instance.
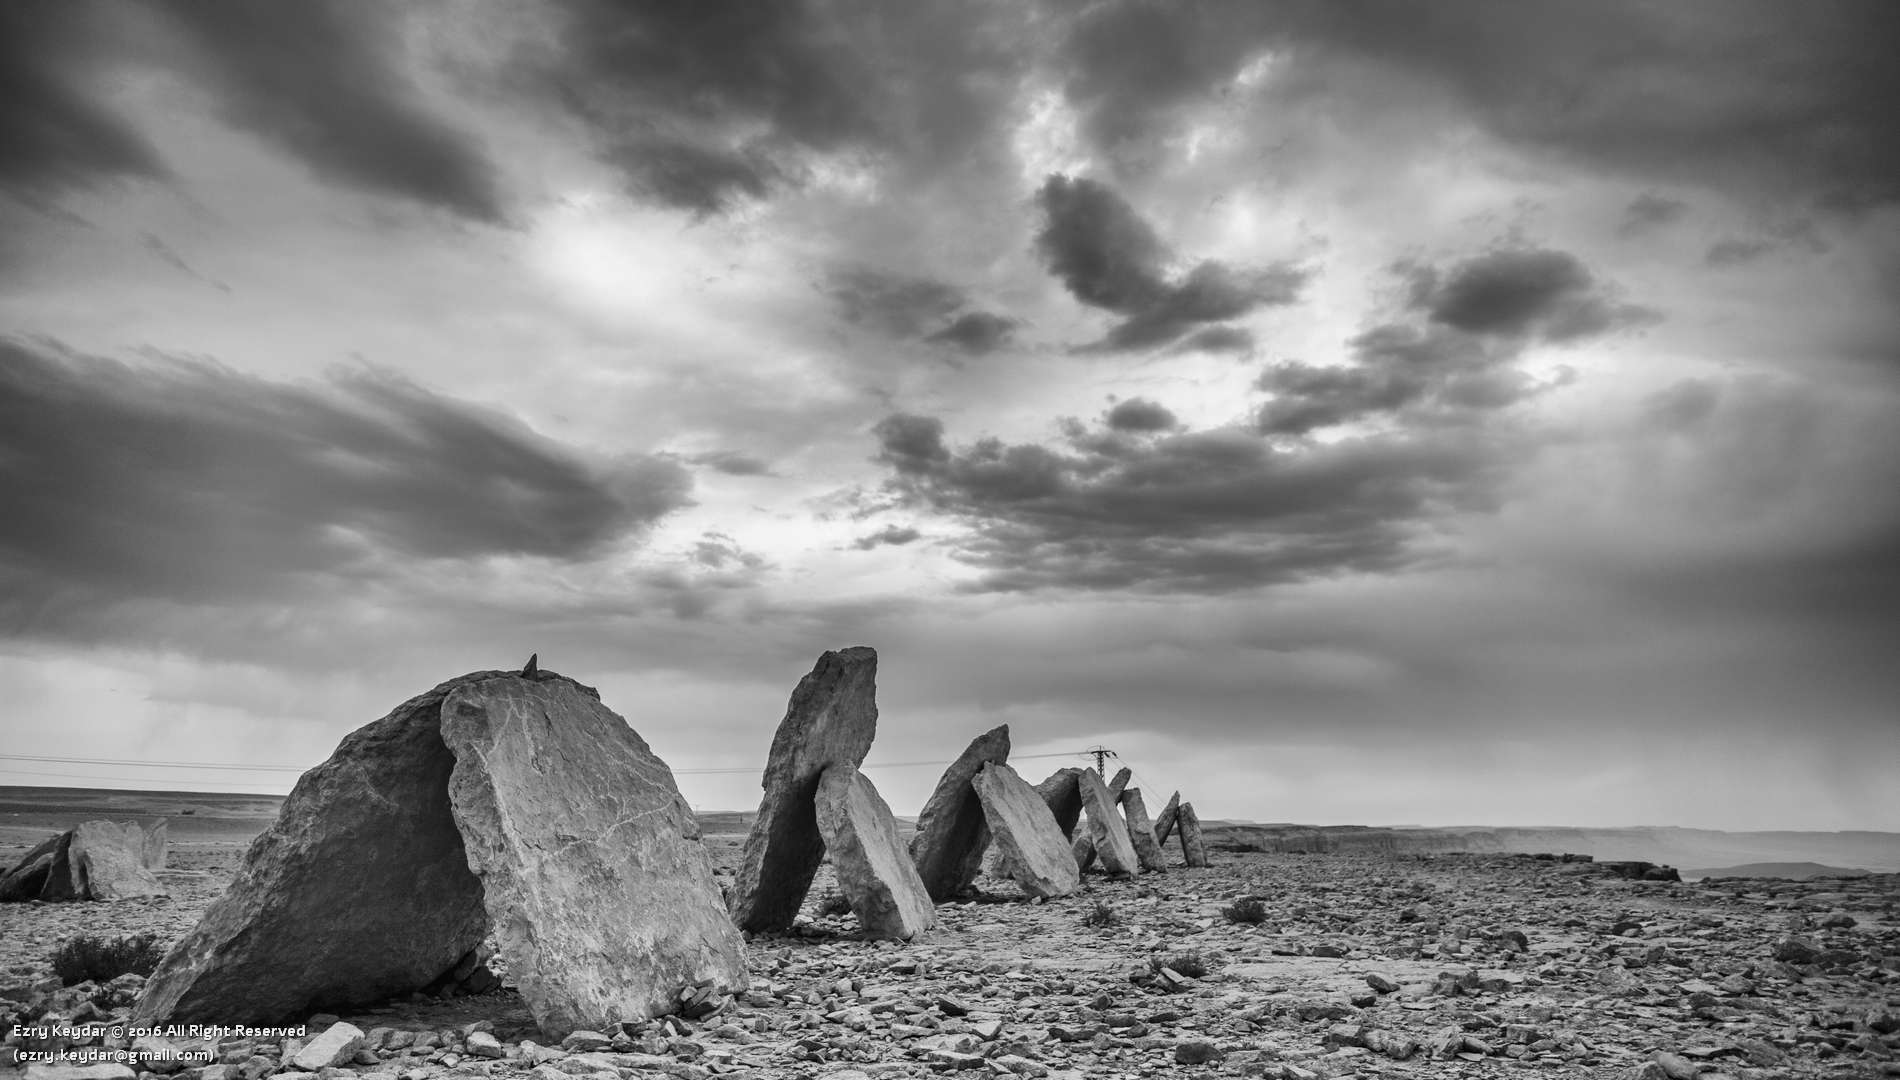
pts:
pixel 1347 411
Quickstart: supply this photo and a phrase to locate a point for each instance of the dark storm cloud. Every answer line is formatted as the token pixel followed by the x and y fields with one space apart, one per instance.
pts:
pixel 1523 292
pixel 1140 414
pixel 731 100
pixel 1193 512
pixel 1650 211
pixel 1742 95
pixel 1108 257
pixel 732 463
pixel 55 133
pixel 1733 251
pixel 322 80
pixel 894 304
pixel 888 536
pixel 190 482
pixel 978 333
pixel 1218 339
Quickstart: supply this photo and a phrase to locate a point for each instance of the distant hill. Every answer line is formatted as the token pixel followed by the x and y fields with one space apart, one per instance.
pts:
pixel 1794 871
pixel 1668 845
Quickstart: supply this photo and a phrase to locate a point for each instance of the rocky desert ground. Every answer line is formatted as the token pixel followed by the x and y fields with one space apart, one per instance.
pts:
pixel 1359 965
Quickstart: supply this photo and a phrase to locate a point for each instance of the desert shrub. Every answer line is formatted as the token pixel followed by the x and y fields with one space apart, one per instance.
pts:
pixel 833 903
pixel 89 956
pixel 1183 963
pixel 1099 915
pixel 1247 909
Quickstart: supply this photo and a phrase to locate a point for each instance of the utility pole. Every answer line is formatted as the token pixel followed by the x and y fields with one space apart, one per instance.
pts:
pixel 1102 754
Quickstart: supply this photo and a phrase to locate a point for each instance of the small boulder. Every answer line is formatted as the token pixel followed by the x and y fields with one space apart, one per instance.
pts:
pixel 333 1047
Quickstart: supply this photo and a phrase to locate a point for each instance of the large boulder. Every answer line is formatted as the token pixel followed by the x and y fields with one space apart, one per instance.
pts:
pixel 1188 823
pixel 1164 824
pixel 951 830
pixel 359 891
pixel 593 875
pixel 1107 831
pixel 831 720
pixel 109 860
pixel 367 887
pixel 1035 854
pixel 874 872
pixel 29 878
pixel 1141 831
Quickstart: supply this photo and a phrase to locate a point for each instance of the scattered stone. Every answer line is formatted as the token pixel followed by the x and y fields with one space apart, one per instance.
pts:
pixel 1381 983
pixel 951 830
pixel 334 1046
pixel 831 720
pixel 1107 830
pixel 1034 852
pixel 1141 831
pixel 1196 1052
pixel 875 873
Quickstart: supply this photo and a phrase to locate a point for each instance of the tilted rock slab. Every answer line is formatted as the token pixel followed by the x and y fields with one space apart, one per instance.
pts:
pixel 593 875
pixel 362 889
pixel 1035 854
pixel 1107 830
pixel 1120 783
pixel 874 871
pixel 1189 824
pixel 1164 825
pixel 831 720
pixel 98 860
pixel 108 862
pixel 1141 831
pixel 1083 846
pixel 952 830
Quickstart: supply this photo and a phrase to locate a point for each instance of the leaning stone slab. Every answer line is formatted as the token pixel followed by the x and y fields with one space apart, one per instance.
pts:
pixel 1120 783
pixel 360 891
pixel 1141 831
pixel 109 860
pixel 29 877
pixel 593 875
pixel 1082 849
pixel 1106 828
pixel 952 830
pixel 1192 848
pixel 1164 825
pixel 1035 854
pixel 874 871
pixel 831 720
pixel 1061 791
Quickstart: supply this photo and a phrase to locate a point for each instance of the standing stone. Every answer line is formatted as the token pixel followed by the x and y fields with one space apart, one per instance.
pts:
pixel 875 873
pixel 951 830
pixel 1035 854
pixel 109 861
pixel 156 851
pixel 1192 849
pixel 1106 827
pixel 1063 795
pixel 1141 831
pixel 831 720
pixel 593 875
pixel 360 891
pixel 1164 825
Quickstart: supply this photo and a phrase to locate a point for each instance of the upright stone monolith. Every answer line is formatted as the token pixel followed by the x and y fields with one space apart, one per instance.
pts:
pixel 951 829
pixel 1141 831
pixel 1164 825
pixel 874 871
pixel 1107 830
pixel 831 720
pixel 586 865
pixel 593 875
pixel 1034 852
pixel 1189 824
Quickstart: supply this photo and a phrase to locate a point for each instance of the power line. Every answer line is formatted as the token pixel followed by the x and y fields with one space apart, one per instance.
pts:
pixel 868 765
pixel 41 774
pixel 153 764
